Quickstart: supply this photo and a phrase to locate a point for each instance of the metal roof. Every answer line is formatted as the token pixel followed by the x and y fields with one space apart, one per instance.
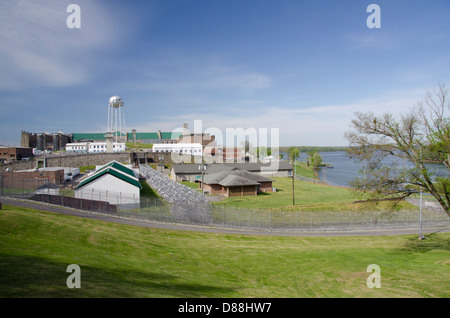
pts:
pixel 233 180
pixel 118 166
pixel 143 135
pixel 235 177
pixel 92 136
pixel 115 169
pixel 217 167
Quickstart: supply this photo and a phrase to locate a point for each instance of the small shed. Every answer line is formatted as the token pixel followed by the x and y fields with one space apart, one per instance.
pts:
pixel 48 188
pixel 236 182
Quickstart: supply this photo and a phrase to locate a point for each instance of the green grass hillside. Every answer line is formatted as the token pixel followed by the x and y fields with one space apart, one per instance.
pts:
pixel 127 261
pixel 308 196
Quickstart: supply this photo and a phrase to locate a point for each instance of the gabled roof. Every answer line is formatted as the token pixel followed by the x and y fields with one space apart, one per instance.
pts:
pixel 215 178
pixel 235 177
pixel 114 164
pixel 115 169
pixel 234 180
pixel 259 166
pixel 217 167
pixel 195 168
pixel 250 175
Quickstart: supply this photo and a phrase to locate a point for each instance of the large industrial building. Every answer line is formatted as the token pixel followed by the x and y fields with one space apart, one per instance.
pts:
pixel 157 137
pixel 45 140
pixel 115 137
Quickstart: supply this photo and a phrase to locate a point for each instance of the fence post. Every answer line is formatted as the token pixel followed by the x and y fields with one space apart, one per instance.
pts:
pixel 351 220
pixel 270 221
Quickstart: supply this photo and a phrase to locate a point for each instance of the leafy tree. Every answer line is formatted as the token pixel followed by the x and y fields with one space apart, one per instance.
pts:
pixel 294 153
pixel 425 129
pixel 316 161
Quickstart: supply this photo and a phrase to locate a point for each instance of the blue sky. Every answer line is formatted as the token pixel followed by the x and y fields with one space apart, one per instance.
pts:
pixel 303 67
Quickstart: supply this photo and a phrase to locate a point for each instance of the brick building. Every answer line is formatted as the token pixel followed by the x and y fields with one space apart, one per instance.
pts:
pixel 11 154
pixel 45 141
pixel 236 182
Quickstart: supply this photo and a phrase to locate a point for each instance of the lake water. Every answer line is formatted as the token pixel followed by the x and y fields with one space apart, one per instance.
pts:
pixel 346 169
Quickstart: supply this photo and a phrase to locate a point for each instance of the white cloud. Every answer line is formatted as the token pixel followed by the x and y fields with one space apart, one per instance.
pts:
pixel 38 49
pixel 319 126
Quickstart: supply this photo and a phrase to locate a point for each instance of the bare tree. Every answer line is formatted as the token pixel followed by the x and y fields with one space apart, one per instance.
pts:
pixel 420 136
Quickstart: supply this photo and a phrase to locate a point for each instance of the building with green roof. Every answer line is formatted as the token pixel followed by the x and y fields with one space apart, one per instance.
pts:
pixel 140 137
pixel 113 182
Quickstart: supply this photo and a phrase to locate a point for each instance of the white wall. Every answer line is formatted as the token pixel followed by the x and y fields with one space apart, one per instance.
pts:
pixel 111 189
pixel 182 149
pixel 94 147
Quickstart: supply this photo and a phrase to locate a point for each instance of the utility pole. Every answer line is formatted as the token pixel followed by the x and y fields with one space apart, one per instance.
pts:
pixel 293 179
pixel 45 150
pixel 203 168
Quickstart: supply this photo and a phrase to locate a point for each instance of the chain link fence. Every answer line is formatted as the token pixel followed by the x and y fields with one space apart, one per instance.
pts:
pixel 183 205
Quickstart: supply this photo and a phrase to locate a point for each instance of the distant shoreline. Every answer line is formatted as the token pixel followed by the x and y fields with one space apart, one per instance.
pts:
pixel 314 148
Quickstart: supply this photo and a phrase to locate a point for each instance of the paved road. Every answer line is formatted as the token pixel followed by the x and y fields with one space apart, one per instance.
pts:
pixel 171 226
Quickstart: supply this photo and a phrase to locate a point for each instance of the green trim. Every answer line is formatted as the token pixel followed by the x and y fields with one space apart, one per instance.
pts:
pixel 113 172
pixel 118 166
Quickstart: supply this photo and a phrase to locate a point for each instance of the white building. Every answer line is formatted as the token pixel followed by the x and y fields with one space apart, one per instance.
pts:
pixel 93 147
pixel 113 182
pixel 194 149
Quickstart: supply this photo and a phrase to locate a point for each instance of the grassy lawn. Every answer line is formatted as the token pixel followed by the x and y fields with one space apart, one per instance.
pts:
pixel 83 169
pixel 308 196
pixel 137 145
pixel 190 184
pixel 303 170
pixel 126 261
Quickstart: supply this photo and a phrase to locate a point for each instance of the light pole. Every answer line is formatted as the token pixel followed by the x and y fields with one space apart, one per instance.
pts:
pixel 202 167
pixel 45 157
pixel 293 179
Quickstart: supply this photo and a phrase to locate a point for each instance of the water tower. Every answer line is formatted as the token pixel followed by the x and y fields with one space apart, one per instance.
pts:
pixel 116 118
